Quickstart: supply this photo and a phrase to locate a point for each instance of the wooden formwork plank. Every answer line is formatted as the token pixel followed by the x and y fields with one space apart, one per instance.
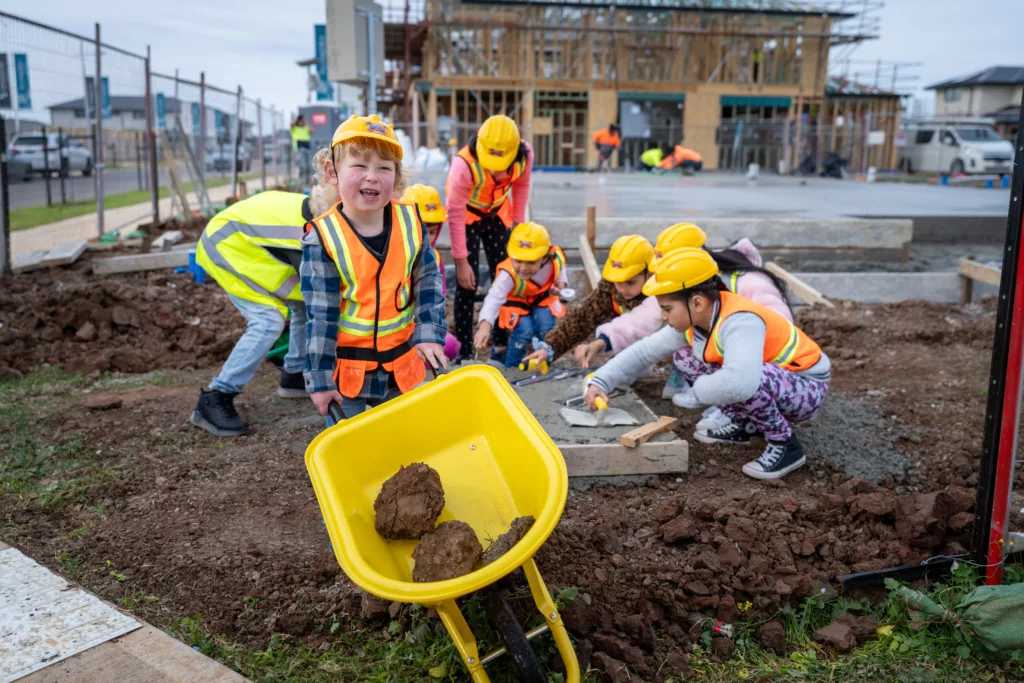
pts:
pixel 799 288
pixel 606 460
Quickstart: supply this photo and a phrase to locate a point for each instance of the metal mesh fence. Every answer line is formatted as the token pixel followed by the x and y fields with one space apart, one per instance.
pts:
pixel 56 111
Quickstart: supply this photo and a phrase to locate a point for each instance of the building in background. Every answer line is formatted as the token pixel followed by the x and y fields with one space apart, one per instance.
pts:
pixel 993 93
pixel 863 122
pixel 740 81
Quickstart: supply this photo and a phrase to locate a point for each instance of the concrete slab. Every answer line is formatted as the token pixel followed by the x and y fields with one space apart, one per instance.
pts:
pixel 28 261
pixel 65 254
pixel 139 262
pixel 887 288
pixel 43 619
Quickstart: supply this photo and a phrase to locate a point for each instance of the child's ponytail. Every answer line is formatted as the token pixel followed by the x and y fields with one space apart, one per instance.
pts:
pixel 323 195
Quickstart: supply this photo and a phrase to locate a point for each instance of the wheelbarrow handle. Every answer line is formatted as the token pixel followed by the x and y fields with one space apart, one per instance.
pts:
pixel 334 410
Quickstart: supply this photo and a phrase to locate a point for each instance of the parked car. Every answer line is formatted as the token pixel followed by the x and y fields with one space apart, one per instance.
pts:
pixel 64 155
pixel 219 158
pixel 955 148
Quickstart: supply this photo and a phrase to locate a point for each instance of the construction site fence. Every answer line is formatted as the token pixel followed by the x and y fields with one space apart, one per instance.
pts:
pixel 88 122
pixel 788 146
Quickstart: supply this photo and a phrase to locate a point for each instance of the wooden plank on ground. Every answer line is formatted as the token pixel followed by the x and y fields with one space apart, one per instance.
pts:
pixel 978 271
pixel 644 433
pixel 139 262
pixel 589 263
pixel 166 240
pixel 32 260
pixel 65 254
pixel 801 289
pixel 605 460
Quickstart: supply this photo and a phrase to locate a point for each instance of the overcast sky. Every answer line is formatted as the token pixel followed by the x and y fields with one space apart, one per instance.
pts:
pixel 257 43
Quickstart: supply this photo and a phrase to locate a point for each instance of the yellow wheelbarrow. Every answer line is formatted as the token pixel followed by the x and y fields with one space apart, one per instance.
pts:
pixel 496 463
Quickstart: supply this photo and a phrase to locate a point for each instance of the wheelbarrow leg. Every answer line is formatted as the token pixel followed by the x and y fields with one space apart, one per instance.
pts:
pixel 464 640
pixel 546 605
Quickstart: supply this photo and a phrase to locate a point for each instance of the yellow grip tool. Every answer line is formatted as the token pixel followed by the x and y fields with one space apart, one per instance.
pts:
pixel 534 364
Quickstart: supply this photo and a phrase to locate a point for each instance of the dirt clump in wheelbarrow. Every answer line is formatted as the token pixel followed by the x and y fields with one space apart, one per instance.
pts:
pixel 505 542
pixel 449 551
pixel 409 503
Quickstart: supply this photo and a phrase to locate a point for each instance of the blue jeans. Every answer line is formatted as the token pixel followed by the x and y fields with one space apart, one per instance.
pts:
pixel 265 325
pixel 537 324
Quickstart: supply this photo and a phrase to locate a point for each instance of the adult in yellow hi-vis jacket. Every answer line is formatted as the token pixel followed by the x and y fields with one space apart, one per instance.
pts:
pixel 252 250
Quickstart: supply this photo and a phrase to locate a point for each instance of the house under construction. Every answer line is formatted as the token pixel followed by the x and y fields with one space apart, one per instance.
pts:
pixel 740 81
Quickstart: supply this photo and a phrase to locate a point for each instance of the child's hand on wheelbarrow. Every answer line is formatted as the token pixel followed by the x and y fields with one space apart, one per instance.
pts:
pixel 323 399
pixel 432 354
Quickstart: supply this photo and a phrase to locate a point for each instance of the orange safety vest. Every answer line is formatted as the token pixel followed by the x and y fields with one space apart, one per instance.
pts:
pixel 785 344
pixel 606 137
pixel 618 309
pixel 527 295
pixel 376 318
pixel 487 196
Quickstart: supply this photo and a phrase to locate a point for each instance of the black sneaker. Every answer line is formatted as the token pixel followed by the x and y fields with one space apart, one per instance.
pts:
pixel 734 433
pixel 292 385
pixel 215 412
pixel 779 459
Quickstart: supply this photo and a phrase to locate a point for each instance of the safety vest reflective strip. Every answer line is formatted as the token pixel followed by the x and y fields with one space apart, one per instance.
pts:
pixel 734 281
pixel 781 359
pixel 283 236
pixel 521 286
pixel 480 180
pixel 352 320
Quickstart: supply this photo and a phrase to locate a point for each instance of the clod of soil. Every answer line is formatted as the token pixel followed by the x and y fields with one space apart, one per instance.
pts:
pixel 505 542
pixel 772 636
pixel 837 635
pixel 722 648
pixel 409 503
pixel 449 551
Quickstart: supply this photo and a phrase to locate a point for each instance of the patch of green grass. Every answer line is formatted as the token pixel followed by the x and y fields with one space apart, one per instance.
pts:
pixel 32 468
pixel 31 216
pixel 424 653
pixel 905 649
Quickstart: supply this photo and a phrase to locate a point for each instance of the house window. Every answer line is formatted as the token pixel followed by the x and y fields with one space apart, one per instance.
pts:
pixel 138 115
pixel 951 95
pixel 79 113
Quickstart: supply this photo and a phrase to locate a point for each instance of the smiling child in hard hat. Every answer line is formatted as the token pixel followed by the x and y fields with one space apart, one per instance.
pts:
pixel 486 193
pixel 428 203
pixel 524 294
pixel 369 277
pixel 756 366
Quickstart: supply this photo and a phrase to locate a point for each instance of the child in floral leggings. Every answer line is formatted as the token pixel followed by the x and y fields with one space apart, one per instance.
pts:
pixel 756 366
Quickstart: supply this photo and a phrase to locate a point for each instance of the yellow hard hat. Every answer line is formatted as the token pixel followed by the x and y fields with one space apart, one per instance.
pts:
pixel 366 127
pixel 497 143
pixel 675 237
pixel 529 242
pixel 681 269
pixel 628 257
pixel 428 201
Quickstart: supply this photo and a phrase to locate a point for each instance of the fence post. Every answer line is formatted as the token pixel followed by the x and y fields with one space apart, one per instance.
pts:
pixel 273 143
pixel 46 167
pixel 235 130
pixel 99 134
pixel 154 178
pixel 138 157
pixel 5 216
pixel 201 146
pixel 259 136
pixel 60 150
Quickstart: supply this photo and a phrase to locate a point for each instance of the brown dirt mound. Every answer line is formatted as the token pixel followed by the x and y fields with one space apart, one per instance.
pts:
pixel 505 542
pixel 128 323
pixel 449 551
pixel 409 503
pixel 772 636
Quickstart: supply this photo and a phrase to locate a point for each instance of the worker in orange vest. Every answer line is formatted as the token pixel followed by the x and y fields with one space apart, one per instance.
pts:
pixel 606 141
pixel 486 194
pixel 689 160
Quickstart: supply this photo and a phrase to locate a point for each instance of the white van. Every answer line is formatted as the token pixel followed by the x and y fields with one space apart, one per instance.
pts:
pixel 955 147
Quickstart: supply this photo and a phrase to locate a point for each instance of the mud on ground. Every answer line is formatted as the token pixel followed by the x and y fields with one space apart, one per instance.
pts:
pixel 150 506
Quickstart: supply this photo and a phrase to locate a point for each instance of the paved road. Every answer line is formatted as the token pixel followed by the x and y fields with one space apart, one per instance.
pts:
pixel 77 187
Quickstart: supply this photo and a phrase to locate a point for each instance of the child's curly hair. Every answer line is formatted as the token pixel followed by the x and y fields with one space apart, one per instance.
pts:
pixel 323 196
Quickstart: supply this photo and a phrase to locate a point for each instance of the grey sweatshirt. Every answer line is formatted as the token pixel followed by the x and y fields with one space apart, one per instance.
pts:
pixel 742 336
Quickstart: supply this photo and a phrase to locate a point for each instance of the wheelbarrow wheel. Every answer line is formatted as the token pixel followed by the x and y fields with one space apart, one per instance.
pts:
pixel 505 624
